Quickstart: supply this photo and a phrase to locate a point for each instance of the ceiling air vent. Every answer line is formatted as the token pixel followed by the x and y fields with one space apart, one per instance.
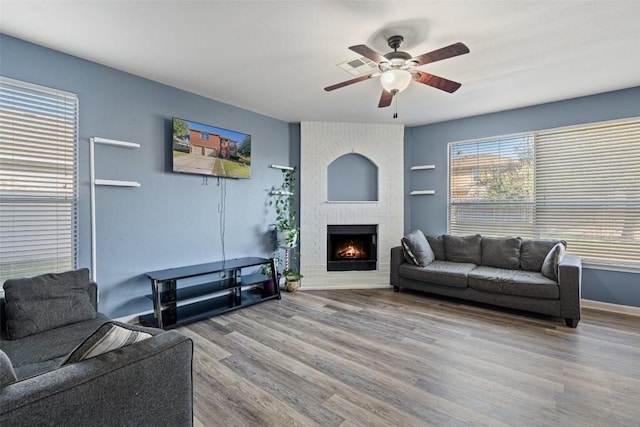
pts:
pixel 358 66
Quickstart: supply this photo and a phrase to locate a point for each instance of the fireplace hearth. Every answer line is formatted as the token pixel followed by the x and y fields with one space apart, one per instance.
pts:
pixel 352 247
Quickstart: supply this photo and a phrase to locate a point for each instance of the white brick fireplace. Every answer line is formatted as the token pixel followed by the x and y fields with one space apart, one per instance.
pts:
pixel 321 144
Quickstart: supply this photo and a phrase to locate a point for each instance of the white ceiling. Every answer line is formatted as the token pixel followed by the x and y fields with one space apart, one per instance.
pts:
pixel 275 57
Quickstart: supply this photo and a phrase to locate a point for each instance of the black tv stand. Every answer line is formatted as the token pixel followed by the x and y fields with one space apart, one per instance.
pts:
pixel 186 294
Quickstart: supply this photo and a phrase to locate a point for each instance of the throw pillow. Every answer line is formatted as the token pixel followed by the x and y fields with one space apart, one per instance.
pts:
pixel 417 248
pixel 463 249
pixel 108 337
pixel 533 252
pixel 7 374
pixel 551 261
pixel 437 246
pixel 501 252
pixel 47 302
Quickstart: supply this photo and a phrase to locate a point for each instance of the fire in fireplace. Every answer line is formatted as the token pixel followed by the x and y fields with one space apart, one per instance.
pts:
pixel 351 247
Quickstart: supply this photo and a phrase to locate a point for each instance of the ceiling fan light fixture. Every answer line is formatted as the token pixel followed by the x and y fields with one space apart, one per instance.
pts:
pixel 395 80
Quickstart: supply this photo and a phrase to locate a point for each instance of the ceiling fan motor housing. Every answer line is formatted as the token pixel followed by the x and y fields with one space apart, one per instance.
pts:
pixel 396 59
pixel 395 42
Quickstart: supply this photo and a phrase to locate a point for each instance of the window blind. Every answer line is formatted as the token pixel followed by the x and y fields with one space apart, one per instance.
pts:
pixel 579 184
pixel 38 180
pixel 491 187
pixel 588 190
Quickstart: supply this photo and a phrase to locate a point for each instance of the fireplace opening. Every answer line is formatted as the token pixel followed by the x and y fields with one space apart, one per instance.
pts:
pixel 352 247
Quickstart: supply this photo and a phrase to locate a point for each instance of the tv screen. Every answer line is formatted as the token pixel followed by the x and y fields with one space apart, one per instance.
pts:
pixel 208 150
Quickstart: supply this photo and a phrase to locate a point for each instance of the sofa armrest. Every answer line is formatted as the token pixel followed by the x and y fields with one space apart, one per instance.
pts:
pixel 145 383
pixel 397 258
pixel 570 283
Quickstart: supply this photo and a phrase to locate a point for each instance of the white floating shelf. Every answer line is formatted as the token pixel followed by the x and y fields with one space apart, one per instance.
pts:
pixel 288 168
pixel 117 183
pixel 422 192
pixel 106 141
pixel 417 168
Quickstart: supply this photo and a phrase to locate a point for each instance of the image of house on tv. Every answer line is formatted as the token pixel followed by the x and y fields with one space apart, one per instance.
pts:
pixel 213 145
pixel 209 150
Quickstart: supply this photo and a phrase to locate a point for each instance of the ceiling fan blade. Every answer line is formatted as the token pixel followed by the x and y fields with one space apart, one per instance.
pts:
pixel 368 53
pixel 385 99
pixel 437 82
pixel 442 53
pixel 349 82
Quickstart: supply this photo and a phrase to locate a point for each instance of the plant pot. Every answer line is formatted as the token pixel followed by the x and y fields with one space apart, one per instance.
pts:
pixel 286 240
pixel 292 285
pixel 268 289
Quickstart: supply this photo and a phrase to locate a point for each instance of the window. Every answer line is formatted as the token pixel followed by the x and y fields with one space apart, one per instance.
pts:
pixel 580 184
pixel 491 186
pixel 204 135
pixel 38 180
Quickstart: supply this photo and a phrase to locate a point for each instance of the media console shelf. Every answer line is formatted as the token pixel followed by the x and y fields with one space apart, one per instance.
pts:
pixel 186 294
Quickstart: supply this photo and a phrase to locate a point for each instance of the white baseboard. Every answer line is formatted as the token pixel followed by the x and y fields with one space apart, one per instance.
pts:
pixel 613 308
pixel 133 319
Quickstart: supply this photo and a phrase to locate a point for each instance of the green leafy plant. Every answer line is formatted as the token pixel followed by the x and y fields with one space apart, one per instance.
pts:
pixel 285 198
pixel 285 223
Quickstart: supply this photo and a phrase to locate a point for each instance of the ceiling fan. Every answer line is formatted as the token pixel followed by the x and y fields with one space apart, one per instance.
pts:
pixel 397 69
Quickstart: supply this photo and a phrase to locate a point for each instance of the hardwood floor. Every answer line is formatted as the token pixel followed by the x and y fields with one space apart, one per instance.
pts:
pixel 379 358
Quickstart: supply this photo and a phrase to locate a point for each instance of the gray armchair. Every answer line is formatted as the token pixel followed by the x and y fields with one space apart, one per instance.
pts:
pixel 144 383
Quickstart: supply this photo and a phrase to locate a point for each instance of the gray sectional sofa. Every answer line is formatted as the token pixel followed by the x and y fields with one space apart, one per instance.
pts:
pixel 526 274
pixel 50 373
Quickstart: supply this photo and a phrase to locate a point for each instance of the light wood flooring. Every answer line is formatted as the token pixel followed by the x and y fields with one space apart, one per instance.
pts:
pixel 379 358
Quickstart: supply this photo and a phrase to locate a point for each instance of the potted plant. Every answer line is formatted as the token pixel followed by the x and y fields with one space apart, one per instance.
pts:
pixel 291 279
pixel 285 225
pixel 286 228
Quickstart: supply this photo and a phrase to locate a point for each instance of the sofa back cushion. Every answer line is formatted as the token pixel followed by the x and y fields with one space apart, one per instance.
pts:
pixel 534 251
pixel 437 246
pixel 46 302
pixel 463 249
pixel 501 252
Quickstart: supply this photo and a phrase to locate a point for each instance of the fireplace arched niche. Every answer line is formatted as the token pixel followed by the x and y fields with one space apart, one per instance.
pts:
pixel 352 177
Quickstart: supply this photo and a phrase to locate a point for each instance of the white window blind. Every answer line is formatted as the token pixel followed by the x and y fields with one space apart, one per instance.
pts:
pixel 38 180
pixel 579 184
pixel 588 190
pixel 491 187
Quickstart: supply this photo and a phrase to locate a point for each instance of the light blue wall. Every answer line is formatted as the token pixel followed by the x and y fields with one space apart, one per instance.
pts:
pixel 428 145
pixel 172 219
pixel 352 177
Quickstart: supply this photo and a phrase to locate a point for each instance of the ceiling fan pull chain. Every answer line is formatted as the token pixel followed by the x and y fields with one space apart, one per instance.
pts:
pixel 395 107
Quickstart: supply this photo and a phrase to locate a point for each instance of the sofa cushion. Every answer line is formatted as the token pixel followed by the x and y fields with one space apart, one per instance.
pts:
pixel 513 282
pixel 437 246
pixel 465 249
pixel 533 252
pixel 109 336
pixel 7 374
pixel 46 302
pixel 51 344
pixel 32 369
pixel 417 249
pixel 439 272
pixel 551 261
pixel 501 252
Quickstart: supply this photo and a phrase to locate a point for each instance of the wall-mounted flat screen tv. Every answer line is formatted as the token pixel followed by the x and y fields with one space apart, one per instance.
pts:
pixel 208 150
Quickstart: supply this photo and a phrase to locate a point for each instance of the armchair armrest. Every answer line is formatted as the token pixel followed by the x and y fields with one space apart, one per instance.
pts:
pixel 145 383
